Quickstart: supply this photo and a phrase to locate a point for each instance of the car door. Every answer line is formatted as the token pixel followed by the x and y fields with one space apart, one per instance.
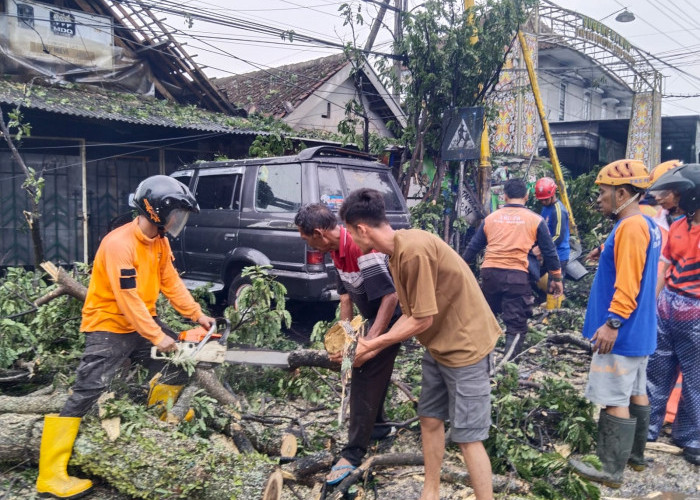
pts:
pixel 271 201
pixel 213 232
pixel 379 178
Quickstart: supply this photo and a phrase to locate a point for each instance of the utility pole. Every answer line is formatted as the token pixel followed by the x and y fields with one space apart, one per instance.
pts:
pixel 400 6
pixel 376 25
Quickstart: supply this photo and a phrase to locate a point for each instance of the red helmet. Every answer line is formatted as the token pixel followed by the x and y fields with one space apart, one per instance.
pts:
pixel 545 188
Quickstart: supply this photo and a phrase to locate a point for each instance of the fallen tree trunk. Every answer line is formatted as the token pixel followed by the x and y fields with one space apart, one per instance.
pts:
pixel 146 462
pixel 51 403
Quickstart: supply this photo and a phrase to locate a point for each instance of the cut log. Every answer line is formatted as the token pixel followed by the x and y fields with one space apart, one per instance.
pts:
pixel 273 488
pixel 288 446
pixel 309 465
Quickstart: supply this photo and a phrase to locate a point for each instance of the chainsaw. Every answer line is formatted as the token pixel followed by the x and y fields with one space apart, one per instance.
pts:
pixel 210 346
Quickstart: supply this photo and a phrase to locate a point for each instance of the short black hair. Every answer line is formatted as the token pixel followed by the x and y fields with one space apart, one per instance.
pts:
pixel 515 188
pixel 364 205
pixel 632 190
pixel 315 216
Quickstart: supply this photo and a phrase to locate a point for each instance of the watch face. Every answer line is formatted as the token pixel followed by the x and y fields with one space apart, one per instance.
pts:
pixel 613 323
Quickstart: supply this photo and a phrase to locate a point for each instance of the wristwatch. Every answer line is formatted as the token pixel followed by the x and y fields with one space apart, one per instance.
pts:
pixel 613 323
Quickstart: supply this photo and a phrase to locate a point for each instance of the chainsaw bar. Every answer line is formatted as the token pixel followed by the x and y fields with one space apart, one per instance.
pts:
pixel 261 357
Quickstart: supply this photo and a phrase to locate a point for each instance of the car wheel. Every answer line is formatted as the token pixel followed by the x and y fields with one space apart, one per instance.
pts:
pixel 236 288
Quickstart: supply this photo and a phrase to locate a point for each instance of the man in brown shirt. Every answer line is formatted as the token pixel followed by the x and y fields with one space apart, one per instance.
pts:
pixel 445 310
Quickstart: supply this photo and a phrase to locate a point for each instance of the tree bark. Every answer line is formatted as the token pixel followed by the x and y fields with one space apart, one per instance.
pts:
pixel 66 285
pixel 51 403
pixel 145 462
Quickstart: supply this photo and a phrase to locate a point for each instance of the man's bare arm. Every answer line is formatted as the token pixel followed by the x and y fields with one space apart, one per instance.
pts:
pixel 384 314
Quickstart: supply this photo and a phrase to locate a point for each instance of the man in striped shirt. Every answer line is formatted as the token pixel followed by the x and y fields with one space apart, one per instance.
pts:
pixel 363 281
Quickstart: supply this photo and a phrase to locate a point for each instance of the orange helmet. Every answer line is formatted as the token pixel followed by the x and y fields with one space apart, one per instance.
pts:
pixel 545 188
pixel 627 171
pixel 662 168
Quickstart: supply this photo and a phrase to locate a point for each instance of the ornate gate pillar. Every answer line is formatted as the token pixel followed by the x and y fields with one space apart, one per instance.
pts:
pixel 644 135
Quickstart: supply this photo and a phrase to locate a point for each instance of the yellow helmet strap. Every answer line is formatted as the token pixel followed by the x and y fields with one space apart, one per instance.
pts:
pixel 625 204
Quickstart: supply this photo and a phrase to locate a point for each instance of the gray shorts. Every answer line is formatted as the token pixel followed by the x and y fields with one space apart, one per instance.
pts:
pixel 461 395
pixel 613 379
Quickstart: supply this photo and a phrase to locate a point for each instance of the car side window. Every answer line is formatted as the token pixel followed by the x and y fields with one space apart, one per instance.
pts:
pixel 356 179
pixel 185 179
pixel 216 192
pixel 278 188
pixel 330 191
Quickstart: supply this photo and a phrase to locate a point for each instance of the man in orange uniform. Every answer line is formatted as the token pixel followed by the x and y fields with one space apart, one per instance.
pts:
pixel 132 266
pixel 679 315
pixel 621 322
pixel 508 234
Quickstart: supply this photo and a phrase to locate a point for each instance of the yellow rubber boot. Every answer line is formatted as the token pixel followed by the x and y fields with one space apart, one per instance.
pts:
pixel 164 396
pixel 56 448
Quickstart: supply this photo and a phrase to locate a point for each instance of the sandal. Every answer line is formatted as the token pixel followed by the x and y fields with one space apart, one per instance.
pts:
pixel 347 468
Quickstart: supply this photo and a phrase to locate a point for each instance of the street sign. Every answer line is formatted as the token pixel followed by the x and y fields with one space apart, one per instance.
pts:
pixel 461 128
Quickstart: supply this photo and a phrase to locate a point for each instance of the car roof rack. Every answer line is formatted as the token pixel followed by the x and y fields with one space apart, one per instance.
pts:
pixel 310 153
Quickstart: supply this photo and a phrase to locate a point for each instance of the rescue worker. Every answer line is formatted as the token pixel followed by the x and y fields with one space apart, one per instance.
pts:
pixel 363 281
pixel 133 264
pixel 679 315
pixel 621 322
pixel 508 234
pixel 556 217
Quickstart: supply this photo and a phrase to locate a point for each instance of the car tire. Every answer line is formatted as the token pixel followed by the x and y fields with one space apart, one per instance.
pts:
pixel 238 284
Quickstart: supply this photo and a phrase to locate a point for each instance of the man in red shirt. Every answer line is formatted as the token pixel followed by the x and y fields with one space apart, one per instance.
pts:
pixel 363 281
pixel 679 315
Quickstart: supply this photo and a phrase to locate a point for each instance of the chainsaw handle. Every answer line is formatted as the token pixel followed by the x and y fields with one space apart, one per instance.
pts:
pixel 156 354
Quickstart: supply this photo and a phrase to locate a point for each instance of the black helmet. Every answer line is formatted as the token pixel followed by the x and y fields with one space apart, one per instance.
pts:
pixel 164 201
pixel 684 180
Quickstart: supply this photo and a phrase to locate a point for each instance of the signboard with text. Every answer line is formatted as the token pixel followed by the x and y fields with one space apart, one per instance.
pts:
pixel 57 35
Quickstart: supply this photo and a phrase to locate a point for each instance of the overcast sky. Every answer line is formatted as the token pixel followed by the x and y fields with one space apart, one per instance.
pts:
pixel 669 30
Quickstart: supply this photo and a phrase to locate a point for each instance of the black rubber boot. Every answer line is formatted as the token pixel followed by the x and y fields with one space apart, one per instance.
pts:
pixel 615 439
pixel 636 460
pixel 692 455
pixel 514 345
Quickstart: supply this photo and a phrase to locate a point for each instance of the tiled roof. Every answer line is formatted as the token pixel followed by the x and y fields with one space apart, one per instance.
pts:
pixel 278 91
pixel 96 103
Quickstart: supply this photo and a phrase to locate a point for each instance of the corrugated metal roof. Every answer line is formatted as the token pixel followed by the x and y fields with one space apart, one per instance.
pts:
pixel 100 104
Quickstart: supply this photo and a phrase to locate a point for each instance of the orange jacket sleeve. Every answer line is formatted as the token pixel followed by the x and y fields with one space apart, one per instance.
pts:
pixel 631 242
